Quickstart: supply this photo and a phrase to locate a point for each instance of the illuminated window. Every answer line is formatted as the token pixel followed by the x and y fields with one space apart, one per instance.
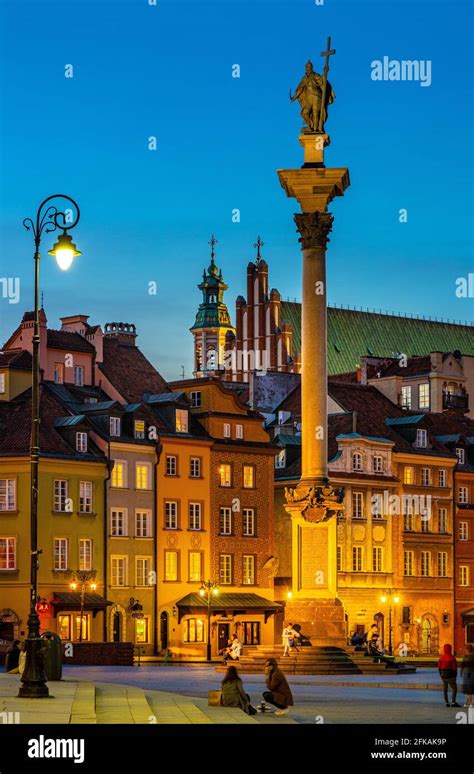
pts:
pixel 7 553
pixel 424 396
pixel 118 522
pixel 408 475
pixel 249 476
pixel 119 474
pixel 406 397
pixel 58 373
pixel 463 575
pixel 85 496
pixel 357 559
pixel 142 628
pixel 239 431
pixel 195 467
pixel 225 475
pixel 280 459
pixel 225 521
pixel 85 554
pixel 463 495
pixel 115 426
pixel 442 478
pixel 463 530
pixel 79 376
pixel 193 630
pixel 64 626
pixel 171 514
pixel 195 566
pixel 182 420
pixel 357 505
pixel 425 563
pixel 195 516
pixel 248 570
pixel 357 461
pixel 442 564
pixel 81 442
pixel 377 559
pixel 171 465
pixel 442 520
pixel 171 565
pixel 139 428
pixel 142 570
pixel 143 475
pixel 408 561
pixel 85 626
pixel 248 522
pixel 377 464
pixel 60 553
pixel 118 570
pixel 143 524
pixel 7 494
pixel 61 500
pixel 251 632
pixel 225 569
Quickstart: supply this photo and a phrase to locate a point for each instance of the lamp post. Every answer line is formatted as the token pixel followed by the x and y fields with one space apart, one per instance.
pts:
pixel 392 598
pixel 210 589
pixel 83 577
pixel 48 219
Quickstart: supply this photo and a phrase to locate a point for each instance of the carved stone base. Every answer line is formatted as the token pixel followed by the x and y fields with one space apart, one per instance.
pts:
pixel 314 502
pixel 321 620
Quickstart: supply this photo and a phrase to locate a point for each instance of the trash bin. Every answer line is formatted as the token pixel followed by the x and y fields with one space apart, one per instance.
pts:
pixel 52 655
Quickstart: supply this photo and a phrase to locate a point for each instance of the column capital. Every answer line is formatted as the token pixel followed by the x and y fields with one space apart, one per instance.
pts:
pixel 314 228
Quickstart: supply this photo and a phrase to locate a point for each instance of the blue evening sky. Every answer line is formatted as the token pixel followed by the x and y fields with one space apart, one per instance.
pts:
pixel 166 71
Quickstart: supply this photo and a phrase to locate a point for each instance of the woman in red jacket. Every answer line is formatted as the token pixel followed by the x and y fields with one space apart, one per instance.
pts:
pixel 448 669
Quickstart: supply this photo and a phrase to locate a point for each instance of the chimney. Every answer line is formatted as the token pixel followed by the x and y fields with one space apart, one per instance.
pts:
pixel 437 361
pixel 75 323
pixel 125 333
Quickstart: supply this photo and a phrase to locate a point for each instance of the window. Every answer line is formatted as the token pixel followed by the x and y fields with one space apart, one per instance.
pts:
pixel 225 569
pixel 463 530
pixel 408 475
pixel 357 559
pixel 85 554
pixel 425 477
pixel 424 395
pixel 425 523
pixel 81 442
pixel 377 506
pixel 339 558
pixel 7 553
pixel 357 505
pixel 377 464
pixel 442 478
pixel 408 561
pixel 119 570
pixel 406 397
pixel 171 514
pixel 142 630
pixel 249 476
pixel 195 399
pixel 408 518
pixel 115 429
pixel 195 516
pixel 463 495
pixel 118 522
pixel 357 461
pixel 195 467
pixel 195 566
pixel 442 564
pixel 225 521
pixel 226 430
pixel 225 475
pixel 181 420
pixel 463 575
pixel 142 570
pixel 194 630
pixel 143 524
pixel 442 520
pixel 406 615
pixel 377 559
pixel 239 431
pixel 79 376
pixel 171 465
pixel 139 428
pixel 119 472
pixel 85 496
pixel 171 565
pixel 461 455
pixel 7 494
pixel 425 563
pixel 251 632
pixel 58 373
pixel 2 383
pixel 421 438
pixel 64 626
pixel 280 459
pixel 248 573
pixel 143 475
pixel 60 554
pixel 248 522
pixel 61 500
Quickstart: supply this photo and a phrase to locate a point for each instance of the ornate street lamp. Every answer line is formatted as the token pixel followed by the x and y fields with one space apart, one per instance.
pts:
pixel 211 589
pixel 83 577
pixel 393 599
pixel 48 219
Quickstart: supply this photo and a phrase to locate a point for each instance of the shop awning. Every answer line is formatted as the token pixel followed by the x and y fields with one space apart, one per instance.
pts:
pixel 469 615
pixel 228 603
pixel 71 600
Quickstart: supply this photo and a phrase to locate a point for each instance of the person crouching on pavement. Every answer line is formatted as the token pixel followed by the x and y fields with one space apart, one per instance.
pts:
pixel 279 693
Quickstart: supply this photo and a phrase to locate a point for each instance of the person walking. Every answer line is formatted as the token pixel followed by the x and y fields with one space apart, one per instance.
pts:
pixel 467 674
pixel 448 669
pixel 278 693
pixel 232 692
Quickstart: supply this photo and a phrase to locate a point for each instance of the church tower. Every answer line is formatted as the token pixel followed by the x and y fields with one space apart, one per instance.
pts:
pixel 212 322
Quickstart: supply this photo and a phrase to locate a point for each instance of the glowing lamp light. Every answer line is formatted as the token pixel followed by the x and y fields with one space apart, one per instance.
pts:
pixel 202 592
pixel 93 586
pixel 73 585
pixel 215 592
pixel 396 600
pixel 290 594
pixel 383 599
pixel 64 251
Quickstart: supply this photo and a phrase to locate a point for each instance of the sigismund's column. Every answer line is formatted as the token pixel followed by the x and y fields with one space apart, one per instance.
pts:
pixel 313 504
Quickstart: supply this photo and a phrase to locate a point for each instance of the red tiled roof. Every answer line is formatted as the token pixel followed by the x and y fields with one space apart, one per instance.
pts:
pixel 69 340
pixel 127 368
pixel 16 358
pixel 414 366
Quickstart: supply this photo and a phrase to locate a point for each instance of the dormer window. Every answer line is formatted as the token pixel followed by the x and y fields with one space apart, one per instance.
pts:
pixel 424 395
pixel 139 428
pixel 377 464
pixel 226 430
pixel 239 431
pixel 357 461
pixel 421 438
pixel 115 429
pixel 58 373
pixel 81 442
pixel 406 397
pixel 461 455
pixel 182 422
pixel 280 459
pixel 79 376
pixel 90 400
pixel 195 399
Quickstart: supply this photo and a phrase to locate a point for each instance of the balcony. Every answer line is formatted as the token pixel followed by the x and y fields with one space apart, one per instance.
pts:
pixel 457 402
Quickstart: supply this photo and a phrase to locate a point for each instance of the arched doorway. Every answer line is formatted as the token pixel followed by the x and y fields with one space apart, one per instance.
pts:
pixel 9 625
pixel 429 635
pixel 116 627
pixel 164 625
pixel 116 624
